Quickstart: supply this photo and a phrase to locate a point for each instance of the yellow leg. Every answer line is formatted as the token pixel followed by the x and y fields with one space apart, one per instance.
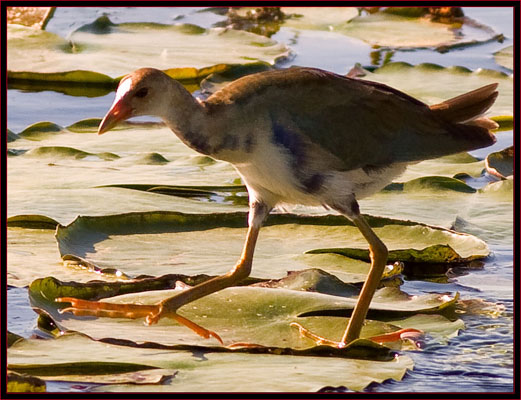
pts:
pixel 168 307
pixel 378 253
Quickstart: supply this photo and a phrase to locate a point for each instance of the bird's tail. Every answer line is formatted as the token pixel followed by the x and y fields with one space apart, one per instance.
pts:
pixel 469 108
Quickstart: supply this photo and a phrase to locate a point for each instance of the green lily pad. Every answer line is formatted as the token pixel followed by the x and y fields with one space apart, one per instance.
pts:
pixel 505 122
pixel 32 253
pixel 239 314
pixel 40 130
pixel 388 29
pixel 62 152
pixel 434 183
pixel 206 372
pixel 24 383
pixel 32 222
pixel 13 338
pixel 169 240
pixel 97 372
pixel 501 163
pixel 11 136
pixel 433 254
pixel 35 17
pixel 65 188
pixel 433 83
pixel 89 125
pixel 398 31
pixel 102 51
pixel 502 188
pixel 324 18
pixel 235 194
pixel 505 57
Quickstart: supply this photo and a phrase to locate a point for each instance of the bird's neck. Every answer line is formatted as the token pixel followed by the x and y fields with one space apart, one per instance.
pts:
pixel 185 116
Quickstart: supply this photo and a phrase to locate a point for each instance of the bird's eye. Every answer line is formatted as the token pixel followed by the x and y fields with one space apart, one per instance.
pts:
pixel 142 92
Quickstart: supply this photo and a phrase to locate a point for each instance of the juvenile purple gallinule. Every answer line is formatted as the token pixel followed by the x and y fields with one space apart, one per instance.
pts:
pixel 299 136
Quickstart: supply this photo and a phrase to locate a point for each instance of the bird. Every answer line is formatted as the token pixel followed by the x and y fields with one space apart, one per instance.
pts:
pixel 302 136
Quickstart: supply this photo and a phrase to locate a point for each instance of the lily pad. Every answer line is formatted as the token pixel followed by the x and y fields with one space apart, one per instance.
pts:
pixel 432 183
pixel 11 136
pixel 505 57
pixel 62 152
pixel 103 48
pixel 206 372
pixel 435 254
pixel 389 29
pixel 327 18
pixel 32 221
pixel 24 383
pixel 254 315
pixel 433 83
pixel 234 194
pixel 97 372
pixel 501 163
pixel 502 188
pixel 505 122
pixel 40 130
pixel 64 188
pixel 169 241
pixel 34 17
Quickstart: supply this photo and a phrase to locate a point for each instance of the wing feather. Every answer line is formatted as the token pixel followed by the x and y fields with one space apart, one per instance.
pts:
pixel 361 123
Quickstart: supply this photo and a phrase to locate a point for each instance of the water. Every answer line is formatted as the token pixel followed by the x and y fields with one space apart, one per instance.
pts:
pixel 480 358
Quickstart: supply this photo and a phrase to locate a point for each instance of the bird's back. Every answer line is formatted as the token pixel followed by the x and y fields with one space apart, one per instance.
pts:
pixel 360 123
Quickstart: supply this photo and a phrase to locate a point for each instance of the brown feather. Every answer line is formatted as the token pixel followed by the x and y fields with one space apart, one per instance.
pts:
pixel 467 106
pixel 347 116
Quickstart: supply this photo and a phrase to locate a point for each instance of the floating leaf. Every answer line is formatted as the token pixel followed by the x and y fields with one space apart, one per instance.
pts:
pixel 169 239
pixel 206 372
pixel 193 50
pixel 40 131
pixel 505 122
pixel 326 18
pixel 24 383
pixel 505 57
pixel 433 83
pixel 240 314
pixel 13 338
pixel 97 372
pixel 235 194
pixel 32 222
pixel 501 163
pixel 504 187
pixel 32 253
pixel 390 29
pixel 433 183
pixel 35 17
pixel 62 152
pixel 89 125
pixel 433 254
pixel 11 136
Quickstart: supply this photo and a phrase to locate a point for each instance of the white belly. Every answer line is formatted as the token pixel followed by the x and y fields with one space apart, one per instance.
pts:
pixel 269 176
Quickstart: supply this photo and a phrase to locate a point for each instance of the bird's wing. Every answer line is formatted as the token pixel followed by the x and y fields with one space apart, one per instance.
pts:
pixel 361 123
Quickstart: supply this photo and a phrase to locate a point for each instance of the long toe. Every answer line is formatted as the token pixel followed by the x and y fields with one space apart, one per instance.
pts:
pixel 319 340
pixel 103 309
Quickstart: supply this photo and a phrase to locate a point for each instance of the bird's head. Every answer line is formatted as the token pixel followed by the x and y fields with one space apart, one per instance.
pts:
pixel 140 93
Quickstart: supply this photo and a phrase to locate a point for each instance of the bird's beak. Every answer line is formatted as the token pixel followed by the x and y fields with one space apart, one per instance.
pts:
pixel 119 111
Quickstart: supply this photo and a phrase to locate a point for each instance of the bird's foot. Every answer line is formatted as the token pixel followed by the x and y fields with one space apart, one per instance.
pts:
pixel 407 333
pixel 319 340
pixel 151 313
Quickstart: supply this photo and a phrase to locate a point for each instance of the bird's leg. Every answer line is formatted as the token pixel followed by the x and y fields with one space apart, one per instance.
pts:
pixel 378 254
pixel 168 307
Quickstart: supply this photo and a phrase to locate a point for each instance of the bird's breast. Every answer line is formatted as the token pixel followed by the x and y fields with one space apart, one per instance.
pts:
pixel 270 172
